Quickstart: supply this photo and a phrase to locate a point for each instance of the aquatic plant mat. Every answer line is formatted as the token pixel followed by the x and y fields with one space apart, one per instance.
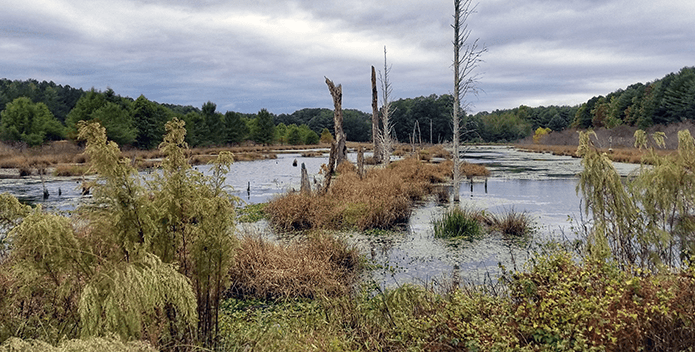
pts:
pixel 383 198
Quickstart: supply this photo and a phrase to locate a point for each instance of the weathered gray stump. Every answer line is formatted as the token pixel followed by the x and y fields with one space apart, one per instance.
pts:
pixel 340 139
pixel 330 167
pixel 376 139
pixel 360 162
pixel 305 187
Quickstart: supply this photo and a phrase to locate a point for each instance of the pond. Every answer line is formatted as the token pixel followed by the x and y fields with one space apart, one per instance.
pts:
pixel 541 185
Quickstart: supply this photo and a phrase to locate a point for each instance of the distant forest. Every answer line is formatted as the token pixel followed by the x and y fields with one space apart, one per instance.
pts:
pixel 36 112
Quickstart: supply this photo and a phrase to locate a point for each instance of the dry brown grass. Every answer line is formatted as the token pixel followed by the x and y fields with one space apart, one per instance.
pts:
pixel 382 199
pixel 624 155
pixel 313 154
pixel 317 265
pixel 438 151
pixel 472 170
pixel 71 170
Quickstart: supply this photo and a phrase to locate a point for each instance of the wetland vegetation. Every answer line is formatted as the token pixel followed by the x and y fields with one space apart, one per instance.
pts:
pixel 95 279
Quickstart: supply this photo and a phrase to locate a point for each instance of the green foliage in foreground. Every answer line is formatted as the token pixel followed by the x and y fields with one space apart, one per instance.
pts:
pixel 559 304
pixel 146 260
pixel 647 220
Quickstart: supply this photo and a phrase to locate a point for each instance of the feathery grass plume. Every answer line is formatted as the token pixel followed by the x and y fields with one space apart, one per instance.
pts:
pixel 120 208
pixel 459 222
pixel 11 214
pixel 42 276
pixel 138 300
pixel 613 210
pixel 641 222
pixel 665 191
pixel 196 222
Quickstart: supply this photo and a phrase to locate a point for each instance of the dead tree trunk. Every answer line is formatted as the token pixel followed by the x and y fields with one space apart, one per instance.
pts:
pixel 306 186
pixel 466 59
pixel 330 167
pixel 337 94
pixel 376 131
pixel 360 162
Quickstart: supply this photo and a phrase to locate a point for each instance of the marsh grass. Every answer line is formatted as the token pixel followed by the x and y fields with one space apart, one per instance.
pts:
pixel 313 154
pixel 316 265
pixel 618 154
pixel 511 223
pixel 72 170
pixel 382 199
pixel 460 223
pixel 472 170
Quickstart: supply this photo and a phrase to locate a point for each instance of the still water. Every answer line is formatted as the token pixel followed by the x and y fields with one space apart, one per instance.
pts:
pixel 541 185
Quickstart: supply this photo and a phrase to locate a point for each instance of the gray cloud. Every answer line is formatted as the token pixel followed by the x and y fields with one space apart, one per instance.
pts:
pixel 248 55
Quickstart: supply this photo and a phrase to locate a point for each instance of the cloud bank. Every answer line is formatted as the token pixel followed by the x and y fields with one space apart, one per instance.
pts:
pixel 248 55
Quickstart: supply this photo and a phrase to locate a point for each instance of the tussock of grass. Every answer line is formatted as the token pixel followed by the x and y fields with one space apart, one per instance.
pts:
pixel 472 170
pixel 317 265
pixel 382 199
pixel 460 222
pixel 515 224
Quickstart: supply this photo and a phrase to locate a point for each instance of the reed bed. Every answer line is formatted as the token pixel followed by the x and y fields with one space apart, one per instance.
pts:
pixel 383 198
pixel 623 155
pixel 317 265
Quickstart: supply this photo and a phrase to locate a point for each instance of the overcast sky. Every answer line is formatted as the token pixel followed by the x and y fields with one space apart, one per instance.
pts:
pixel 254 54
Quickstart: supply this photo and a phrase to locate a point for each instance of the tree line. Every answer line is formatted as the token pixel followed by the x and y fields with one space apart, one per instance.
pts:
pixel 36 112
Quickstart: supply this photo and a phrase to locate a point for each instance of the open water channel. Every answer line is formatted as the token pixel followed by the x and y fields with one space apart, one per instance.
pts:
pixel 541 185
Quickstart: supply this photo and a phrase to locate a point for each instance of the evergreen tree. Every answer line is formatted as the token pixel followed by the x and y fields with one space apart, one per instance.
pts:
pixel 235 130
pixel 149 120
pixel 264 129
